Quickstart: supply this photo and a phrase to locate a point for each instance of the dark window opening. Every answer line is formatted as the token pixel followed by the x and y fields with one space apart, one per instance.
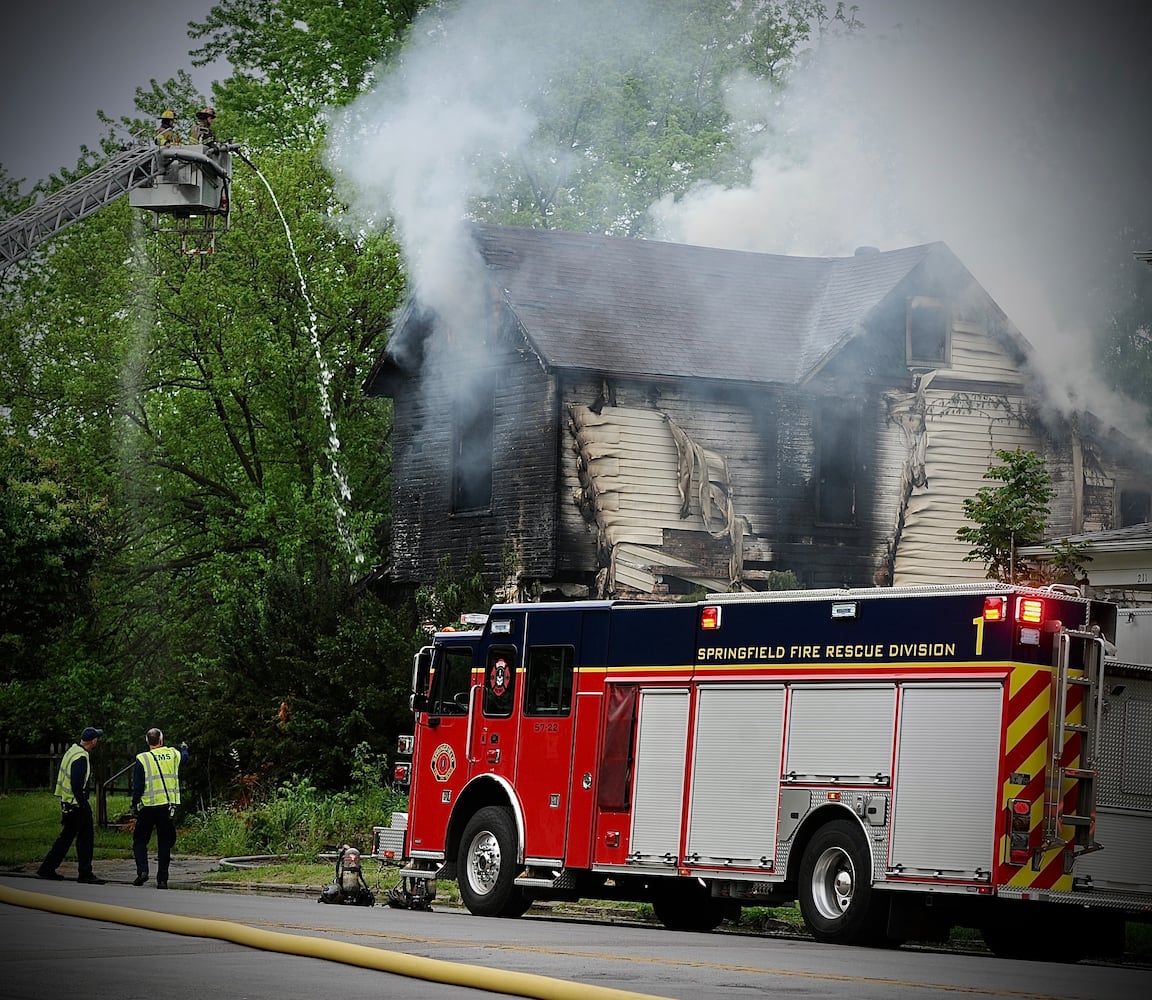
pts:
pixel 500 682
pixel 451 682
pixel 1135 507
pixel 472 452
pixel 548 681
pixel 837 464
pixel 616 758
pixel 929 323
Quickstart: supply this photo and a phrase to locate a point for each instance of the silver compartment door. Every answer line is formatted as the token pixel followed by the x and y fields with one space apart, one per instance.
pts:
pixel 658 789
pixel 841 732
pixel 736 776
pixel 948 754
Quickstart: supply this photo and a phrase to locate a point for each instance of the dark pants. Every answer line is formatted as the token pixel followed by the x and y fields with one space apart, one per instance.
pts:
pixel 75 824
pixel 156 818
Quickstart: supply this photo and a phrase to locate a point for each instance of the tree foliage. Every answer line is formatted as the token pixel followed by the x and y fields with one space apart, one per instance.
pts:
pixel 1007 516
pixel 51 535
pixel 622 125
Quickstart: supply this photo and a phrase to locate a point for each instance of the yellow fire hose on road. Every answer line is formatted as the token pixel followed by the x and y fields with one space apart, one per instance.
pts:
pixel 521 984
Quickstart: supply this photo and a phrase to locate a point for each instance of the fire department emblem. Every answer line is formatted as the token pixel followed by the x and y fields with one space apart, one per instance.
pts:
pixel 443 762
pixel 499 682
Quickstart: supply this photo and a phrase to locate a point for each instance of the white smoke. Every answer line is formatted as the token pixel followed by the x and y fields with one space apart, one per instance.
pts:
pixel 458 113
pixel 1015 133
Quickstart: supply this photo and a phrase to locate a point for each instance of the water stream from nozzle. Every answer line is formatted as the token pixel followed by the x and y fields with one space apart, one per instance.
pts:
pixel 342 493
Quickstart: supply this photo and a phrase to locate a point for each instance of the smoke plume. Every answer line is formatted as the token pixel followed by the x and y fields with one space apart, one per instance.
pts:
pixel 1016 133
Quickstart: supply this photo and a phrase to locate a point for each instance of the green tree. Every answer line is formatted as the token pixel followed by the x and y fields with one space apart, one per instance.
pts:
pixel 51 535
pixel 292 59
pixel 623 124
pixel 1007 516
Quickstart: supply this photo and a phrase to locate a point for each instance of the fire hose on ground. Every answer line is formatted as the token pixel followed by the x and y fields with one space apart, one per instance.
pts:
pixel 521 984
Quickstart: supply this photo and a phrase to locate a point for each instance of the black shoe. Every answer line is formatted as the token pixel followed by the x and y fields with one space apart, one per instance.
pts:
pixel 91 880
pixel 50 876
pixel 161 885
pixel 140 880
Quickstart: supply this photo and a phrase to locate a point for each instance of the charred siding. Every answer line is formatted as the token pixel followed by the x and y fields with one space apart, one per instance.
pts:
pixel 520 520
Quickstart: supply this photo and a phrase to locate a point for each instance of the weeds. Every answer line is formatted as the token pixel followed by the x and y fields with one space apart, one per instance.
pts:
pixel 296 819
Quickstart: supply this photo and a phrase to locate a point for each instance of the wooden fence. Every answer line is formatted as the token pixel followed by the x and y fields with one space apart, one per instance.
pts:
pixel 35 771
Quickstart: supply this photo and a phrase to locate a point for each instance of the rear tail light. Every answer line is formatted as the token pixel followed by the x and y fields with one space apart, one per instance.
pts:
pixel 1019 831
pixel 995 609
pixel 401 773
pixel 709 618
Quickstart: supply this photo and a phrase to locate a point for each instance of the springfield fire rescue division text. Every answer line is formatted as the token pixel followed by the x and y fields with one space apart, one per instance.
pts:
pixel 800 654
pixel 899 761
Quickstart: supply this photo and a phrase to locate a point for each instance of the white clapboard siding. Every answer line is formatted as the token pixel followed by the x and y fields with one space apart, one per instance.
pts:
pixel 962 443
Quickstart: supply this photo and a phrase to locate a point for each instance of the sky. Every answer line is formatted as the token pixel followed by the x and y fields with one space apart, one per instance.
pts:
pixel 64 60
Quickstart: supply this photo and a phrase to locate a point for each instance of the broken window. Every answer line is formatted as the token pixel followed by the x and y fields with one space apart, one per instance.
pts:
pixel 929 322
pixel 1135 507
pixel 472 451
pixel 837 463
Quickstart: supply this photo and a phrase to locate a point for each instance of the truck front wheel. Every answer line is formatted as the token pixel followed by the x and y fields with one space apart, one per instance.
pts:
pixel 835 887
pixel 486 865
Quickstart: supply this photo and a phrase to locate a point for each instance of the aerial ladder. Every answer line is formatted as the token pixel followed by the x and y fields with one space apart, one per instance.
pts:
pixel 185 187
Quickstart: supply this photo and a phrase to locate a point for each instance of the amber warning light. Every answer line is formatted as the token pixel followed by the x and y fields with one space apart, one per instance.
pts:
pixel 710 618
pixel 1030 609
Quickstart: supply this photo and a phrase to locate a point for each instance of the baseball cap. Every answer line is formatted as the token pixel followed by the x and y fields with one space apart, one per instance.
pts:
pixel 91 734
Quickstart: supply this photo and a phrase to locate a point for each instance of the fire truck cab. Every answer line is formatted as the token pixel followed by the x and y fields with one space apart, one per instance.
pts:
pixel 897 760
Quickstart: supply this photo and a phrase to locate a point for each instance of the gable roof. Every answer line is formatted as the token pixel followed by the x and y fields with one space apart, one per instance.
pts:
pixel 645 308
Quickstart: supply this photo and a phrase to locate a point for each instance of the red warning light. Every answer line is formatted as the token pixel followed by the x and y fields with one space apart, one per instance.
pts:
pixel 995 609
pixel 710 618
pixel 1030 609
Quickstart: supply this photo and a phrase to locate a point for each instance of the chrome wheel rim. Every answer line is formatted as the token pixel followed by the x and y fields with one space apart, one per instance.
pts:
pixel 483 863
pixel 833 883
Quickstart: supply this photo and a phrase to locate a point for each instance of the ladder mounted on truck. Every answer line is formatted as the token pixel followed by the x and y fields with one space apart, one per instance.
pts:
pixel 185 183
pixel 1070 791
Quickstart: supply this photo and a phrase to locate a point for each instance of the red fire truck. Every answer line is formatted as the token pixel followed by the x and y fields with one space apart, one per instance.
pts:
pixel 898 760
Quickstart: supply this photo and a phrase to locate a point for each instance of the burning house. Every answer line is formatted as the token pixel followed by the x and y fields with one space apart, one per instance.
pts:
pixel 626 417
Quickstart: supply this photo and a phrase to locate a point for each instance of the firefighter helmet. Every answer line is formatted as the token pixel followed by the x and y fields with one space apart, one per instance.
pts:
pixel 167 116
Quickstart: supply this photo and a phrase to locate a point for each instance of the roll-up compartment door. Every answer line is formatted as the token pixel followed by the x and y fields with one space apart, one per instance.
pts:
pixel 947 760
pixel 658 790
pixel 735 797
pixel 841 732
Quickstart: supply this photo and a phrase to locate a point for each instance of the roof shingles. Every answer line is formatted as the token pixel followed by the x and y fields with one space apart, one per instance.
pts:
pixel 644 308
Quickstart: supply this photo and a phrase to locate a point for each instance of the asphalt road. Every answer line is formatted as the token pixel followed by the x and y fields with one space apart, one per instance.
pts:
pixel 45 955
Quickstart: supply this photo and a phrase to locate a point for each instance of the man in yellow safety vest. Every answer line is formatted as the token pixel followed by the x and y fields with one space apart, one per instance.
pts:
pixel 73 785
pixel 155 796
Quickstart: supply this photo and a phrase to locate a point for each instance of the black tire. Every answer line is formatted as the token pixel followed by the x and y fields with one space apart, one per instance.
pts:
pixel 486 865
pixel 835 891
pixel 686 905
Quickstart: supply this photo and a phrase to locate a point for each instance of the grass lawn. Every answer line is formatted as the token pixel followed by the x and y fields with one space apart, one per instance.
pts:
pixel 30 822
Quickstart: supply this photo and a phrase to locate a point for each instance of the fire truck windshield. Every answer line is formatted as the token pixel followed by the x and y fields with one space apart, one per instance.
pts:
pixel 451 681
